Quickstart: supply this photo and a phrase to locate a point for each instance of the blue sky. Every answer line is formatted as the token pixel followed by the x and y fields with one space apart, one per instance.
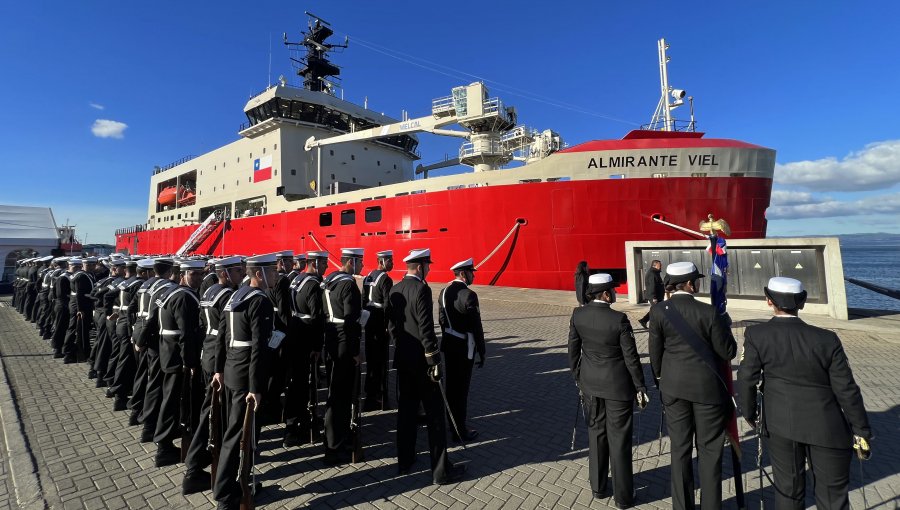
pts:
pixel 815 81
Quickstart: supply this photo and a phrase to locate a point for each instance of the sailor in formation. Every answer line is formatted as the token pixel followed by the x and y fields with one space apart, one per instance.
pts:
pixel 417 360
pixel 162 348
pixel 242 368
pixel 689 342
pixel 812 411
pixel 462 338
pixel 604 359
pixel 376 288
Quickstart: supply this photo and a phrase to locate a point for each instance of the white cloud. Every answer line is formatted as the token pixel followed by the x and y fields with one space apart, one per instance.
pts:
pixel 104 128
pixel 97 106
pixel 829 208
pixel 783 198
pixel 877 166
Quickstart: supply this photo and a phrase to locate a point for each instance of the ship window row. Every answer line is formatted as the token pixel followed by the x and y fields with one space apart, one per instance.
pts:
pixel 348 216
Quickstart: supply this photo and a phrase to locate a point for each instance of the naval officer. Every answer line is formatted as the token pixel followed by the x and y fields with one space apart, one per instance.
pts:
pixel 607 368
pixel 813 410
pixel 417 359
pixel 242 366
pixel 689 342
pixel 343 309
pixel 462 338
pixel 376 287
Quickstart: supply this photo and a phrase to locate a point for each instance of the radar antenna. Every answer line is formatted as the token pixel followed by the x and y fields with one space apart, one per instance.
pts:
pixel 312 63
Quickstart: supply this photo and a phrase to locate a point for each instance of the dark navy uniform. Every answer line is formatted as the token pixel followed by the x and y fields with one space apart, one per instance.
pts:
pixel 411 325
pixel 376 288
pixel 208 281
pixel 812 407
pixel 243 361
pixel 106 366
pixel 309 327
pixel 607 368
pixel 343 308
pixel 62 294
pixel 696 402
pixel 139 387
pixel 462 338
pixel 150 341
pixel 31 283
pixel 101 344
pixel 41 306
pixel 77 342
pixel 126 363
pixel 179 347
pixel 280 296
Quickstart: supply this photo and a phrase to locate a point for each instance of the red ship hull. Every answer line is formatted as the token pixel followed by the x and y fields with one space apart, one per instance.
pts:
pixel 560 224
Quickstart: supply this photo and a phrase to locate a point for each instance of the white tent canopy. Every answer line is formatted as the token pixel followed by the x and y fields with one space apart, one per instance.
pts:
pixel 25 228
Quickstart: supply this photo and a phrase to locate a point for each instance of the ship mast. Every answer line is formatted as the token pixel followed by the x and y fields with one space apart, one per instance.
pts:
pixel 662 118
pixel 314 66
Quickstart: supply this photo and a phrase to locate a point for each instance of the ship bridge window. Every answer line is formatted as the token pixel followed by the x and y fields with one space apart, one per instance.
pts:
pixel 373 214
pixel 325 219
pixel 348 217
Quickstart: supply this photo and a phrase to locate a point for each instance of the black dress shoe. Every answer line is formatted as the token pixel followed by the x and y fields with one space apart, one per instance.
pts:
pixel 120 404
pixel 110 393
pixel 92 374
pixel 454 474
pixel 643 323
pixel 336 457
pixel 195 481
pixel 147 435
pixel 68 361
pixel 295 437
pixel 134 419
pixel 468 435
pixel 101 383
pixel 167 455
pixel 58 354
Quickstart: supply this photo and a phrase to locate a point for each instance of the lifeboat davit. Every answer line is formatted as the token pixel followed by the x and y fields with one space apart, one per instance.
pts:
pixel 187 197
pixel 166 196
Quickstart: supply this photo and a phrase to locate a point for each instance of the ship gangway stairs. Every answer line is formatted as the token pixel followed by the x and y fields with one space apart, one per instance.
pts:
pixel 201 234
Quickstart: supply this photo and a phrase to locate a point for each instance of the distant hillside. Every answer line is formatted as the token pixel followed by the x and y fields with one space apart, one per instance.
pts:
pixel 856 239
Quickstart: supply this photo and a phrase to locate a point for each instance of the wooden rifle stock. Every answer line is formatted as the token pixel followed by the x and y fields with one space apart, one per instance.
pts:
pixel 245 469
pixel 356 423
pixel 215 430
pixel 186 412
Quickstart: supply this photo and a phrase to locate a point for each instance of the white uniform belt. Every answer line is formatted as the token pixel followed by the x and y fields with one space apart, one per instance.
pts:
pixel 275 308
pixel 73 293
pixel 213 332
pixel 170 332
pixel 142 315
pixel 334 320
pixel 375 305
pixel 301 315
pixel 454 333
pixel 238 343
pixel 122 307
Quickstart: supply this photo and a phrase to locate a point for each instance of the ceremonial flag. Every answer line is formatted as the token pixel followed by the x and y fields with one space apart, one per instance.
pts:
pixel 262 168
pixel 718 280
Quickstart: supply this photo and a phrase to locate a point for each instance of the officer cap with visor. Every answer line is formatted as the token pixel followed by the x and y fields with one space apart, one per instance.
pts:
pixel 227 262
pixel 464 265
pixel 422 255
pixel 680 272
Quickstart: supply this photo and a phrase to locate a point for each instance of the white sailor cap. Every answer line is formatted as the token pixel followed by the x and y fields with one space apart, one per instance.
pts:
pixel 786 293
pixel 130 262
pixel 118 261
pixel 60 259
pixel 678 272
pixel 465 265
pixel 351 252
pixel 75 261
pixel 164 261
pixel 300 256
pixel 146 263
pixel 599 282
pixel 384 254
pixel 268 259
pixel 418 255
pixel 285 254
pixel 227 262
pixel 317 254
pixel 192 265
pixel 48 258
pixel 90 260
pixel 29 259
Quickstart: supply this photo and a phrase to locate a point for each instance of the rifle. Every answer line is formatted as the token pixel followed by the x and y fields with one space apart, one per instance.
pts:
pixel 215 430
pixel 315 422
pixel 245 468
pixel 186 412
pixel 355 424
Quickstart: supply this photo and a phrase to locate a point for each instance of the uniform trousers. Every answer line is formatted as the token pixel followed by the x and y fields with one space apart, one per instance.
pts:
pixel 100 352
pixel 169 416
pixel 685 420
pixel 41 311
pixel 60 325
pixel 226 487
pixel 153 393
pixel 77 344
pixel 126 364
pixel 337 407
pixel 111 361
pixel 831 474
pixel 609 438
pixel 198 455
pixel 47 318
pixel 270 411
pixel 415 388
pixel 296 401
pixel 377 349
pixel 30 299
pixel 459 375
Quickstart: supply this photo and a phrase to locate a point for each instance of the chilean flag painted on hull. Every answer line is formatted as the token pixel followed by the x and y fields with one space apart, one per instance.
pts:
pixel 262 169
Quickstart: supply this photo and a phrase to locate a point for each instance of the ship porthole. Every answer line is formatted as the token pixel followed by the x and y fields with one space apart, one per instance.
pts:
pixel 657 216
pixel 521 221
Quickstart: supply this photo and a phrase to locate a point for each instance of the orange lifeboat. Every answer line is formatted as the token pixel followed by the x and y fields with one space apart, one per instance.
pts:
pixel 187 196
pixel 166 196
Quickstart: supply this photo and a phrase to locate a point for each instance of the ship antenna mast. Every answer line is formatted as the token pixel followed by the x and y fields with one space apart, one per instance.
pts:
pixel 319 74
pixel 662 118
